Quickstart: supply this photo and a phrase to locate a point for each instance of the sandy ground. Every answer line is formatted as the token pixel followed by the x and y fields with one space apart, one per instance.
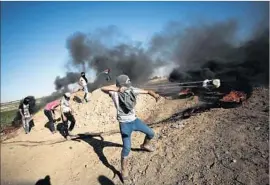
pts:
pixel 221 146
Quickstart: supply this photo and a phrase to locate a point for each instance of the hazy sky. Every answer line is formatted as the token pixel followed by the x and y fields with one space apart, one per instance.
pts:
pixel 33 34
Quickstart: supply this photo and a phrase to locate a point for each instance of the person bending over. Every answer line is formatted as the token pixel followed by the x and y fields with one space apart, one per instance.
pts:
pixel 67 115
pixel 49 112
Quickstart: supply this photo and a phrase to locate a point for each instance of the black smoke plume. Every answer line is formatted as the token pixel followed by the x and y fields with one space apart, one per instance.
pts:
pixel 90 52
pixel 200 51
pixel 248 61
pixel 70 77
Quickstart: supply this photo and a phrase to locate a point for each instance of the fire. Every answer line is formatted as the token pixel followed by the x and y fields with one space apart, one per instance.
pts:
pixel 234 96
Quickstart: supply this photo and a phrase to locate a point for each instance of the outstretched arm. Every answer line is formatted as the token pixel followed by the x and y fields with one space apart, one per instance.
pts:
pixel 108 88
pixel 151 93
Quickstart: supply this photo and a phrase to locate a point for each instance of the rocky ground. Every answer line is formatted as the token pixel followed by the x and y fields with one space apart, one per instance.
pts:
pixel 220 146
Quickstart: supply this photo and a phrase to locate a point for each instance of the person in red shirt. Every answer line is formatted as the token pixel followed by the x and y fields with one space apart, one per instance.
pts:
pixel 49 112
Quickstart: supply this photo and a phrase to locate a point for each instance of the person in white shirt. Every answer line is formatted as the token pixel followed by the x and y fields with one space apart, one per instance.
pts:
pixel 83 83
pixel 67 114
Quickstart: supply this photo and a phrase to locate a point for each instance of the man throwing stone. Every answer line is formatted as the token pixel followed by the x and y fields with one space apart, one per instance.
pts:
pixel 124 97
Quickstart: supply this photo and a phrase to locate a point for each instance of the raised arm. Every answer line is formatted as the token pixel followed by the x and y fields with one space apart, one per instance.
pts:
pixel 151 93
pixel 108 88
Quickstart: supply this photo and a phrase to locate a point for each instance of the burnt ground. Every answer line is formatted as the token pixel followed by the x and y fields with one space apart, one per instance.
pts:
pixel 220 146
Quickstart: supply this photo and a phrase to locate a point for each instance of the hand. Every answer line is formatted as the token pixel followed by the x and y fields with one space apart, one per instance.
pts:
pixel 157 97
pixel 122 89
pixel 205 82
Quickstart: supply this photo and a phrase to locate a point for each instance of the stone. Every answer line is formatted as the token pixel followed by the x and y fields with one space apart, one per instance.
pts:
pixel 257 128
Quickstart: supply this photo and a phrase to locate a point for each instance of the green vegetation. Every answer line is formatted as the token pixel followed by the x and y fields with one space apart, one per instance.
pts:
pixel 7 117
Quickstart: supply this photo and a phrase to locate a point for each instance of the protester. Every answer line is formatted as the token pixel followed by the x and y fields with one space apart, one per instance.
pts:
pixel 26 114
pixel 83 83
pixel 124 97
pixel 67 115
pixel 49 111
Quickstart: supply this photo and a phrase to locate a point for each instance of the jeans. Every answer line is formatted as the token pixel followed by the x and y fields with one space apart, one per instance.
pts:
pixel 126 130
pixel 26 126
pixel 85 89
pixel 48 113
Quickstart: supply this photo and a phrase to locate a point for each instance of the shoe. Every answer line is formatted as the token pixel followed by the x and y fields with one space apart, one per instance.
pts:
pixel 146 145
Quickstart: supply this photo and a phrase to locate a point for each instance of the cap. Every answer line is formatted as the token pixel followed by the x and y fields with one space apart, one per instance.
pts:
pixel 123 80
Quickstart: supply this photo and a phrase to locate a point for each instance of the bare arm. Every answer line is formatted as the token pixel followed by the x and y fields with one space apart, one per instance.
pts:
pixel 151 93
pixel 108 88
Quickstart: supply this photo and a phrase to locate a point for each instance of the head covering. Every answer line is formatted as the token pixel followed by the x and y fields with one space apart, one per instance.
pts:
pixel 26 101
pixel 123 80
pixel 67 95
pixel 84 77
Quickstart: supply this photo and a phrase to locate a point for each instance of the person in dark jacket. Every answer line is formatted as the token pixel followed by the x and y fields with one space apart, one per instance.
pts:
pixel 26 114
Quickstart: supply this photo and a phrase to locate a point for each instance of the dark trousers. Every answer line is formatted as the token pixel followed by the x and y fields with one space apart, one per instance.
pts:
pixel 72 120
pixel 51 121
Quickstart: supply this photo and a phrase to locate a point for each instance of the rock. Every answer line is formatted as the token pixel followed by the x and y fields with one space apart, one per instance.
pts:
pixel 257 128
pixel 211 165
pixel 175 126
pixel 85 166
pixel 234 160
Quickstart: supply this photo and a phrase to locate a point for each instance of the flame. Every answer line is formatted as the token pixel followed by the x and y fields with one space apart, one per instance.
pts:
pixel 234 96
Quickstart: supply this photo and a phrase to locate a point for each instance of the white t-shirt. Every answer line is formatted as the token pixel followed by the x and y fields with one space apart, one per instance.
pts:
pixel 65 105
pixel 26 111
pixel 83 82
pixel 122 117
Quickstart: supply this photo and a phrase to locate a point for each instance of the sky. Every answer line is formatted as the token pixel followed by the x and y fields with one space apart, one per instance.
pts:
pixel 34 34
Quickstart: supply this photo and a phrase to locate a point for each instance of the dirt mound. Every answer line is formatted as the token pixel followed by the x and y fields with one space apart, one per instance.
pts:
pixel 220 146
